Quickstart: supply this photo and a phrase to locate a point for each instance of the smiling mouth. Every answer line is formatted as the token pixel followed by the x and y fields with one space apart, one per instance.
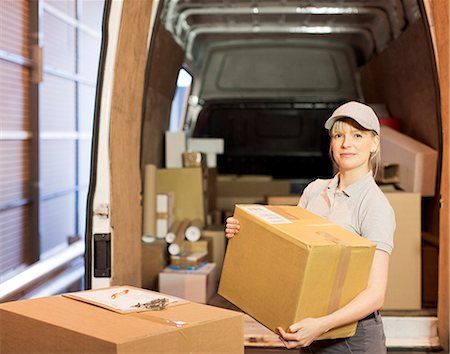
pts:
pixel 347 155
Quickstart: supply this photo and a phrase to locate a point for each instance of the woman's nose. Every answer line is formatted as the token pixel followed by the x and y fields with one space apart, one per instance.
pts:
pixel 346 141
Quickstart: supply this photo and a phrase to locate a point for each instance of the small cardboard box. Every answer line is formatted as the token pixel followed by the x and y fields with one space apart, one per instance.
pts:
pixel 197 285
pixel 62 325
pixel 287 264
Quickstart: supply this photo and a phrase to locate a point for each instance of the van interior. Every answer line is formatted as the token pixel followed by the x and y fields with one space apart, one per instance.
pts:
pixel 266 75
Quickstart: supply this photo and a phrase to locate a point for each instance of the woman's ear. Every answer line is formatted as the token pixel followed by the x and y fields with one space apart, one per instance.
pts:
pixel 375 144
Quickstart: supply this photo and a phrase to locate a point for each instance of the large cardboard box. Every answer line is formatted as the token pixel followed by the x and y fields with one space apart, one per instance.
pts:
pixel 287 264
pixel 417 162
pixel 197 285
pixel 187 185
pixel 62 325
pixel 404 283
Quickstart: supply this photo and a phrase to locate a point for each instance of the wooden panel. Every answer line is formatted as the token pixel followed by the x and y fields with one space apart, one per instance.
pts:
pixel 56 166
pixel 402 77
pixel 14 234
pixel 57 111
pixel 125 133
pixel 59 43
pixel 14 96
pixel 167 58
pixel 439 16
pixel 14 171
pixel 14 27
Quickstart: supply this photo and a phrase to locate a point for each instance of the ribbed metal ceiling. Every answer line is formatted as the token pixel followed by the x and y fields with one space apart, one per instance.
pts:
pixel 367 25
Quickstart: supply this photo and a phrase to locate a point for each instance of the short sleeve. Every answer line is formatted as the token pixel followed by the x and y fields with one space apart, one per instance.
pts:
pixel 378 224
pixel 303 202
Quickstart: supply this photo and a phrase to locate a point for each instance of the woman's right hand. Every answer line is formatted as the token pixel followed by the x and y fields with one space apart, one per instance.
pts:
pixel 232 227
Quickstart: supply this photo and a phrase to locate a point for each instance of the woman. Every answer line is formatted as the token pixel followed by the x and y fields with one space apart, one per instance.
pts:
pixel 352 200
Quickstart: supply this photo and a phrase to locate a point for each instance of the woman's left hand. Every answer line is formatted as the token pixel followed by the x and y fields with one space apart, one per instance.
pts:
pixel 303 333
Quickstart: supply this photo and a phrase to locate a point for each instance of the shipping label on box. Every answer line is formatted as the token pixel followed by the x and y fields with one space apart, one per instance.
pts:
pixel 286 264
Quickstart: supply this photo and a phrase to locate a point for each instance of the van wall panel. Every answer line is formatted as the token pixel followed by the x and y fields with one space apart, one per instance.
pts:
pixel 57 221
pixel 57 111
pixel 14 27
pixel 57 166
pixel 402 78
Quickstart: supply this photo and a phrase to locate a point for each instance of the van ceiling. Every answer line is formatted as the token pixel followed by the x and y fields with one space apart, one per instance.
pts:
pixel 366 25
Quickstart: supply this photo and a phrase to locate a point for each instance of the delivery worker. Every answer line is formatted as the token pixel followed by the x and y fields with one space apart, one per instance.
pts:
pixel 352 200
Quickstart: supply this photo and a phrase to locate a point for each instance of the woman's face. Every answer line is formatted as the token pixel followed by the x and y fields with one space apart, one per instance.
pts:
pixel 351 147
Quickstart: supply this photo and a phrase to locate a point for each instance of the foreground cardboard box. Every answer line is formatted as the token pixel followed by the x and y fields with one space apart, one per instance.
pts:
pixel 62 325
pixel 287 264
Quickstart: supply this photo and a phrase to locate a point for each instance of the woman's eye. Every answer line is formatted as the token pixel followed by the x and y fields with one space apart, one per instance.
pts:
pixel 357 135
pixel 337 136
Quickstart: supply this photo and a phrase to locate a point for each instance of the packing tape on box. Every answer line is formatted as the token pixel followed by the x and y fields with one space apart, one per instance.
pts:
pixel 158 320
pixel 341 270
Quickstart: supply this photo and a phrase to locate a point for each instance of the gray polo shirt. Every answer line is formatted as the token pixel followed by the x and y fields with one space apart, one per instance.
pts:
pixel 361 207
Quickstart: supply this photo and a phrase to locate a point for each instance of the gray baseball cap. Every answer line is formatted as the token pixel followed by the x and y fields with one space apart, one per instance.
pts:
pixel 359 112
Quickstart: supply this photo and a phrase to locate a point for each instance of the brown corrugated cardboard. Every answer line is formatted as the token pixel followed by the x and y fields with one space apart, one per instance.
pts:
pixel 217 242
pixel 197 285
pixel 187 184
pixel 417 162
pixel 62 325
pixel 404 282
pixel 287 264
pixel 154 260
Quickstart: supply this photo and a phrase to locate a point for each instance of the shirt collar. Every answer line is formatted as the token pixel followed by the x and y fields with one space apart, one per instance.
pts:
pixel 355 187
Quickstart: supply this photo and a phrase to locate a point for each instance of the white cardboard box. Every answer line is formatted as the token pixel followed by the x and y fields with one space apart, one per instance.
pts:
pixel 175 146
pixel 211 147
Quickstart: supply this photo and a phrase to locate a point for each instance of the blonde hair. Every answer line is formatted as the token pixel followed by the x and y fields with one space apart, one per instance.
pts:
pixel 343 124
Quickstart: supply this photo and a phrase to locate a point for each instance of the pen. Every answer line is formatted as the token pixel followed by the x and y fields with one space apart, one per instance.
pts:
pixel 124 292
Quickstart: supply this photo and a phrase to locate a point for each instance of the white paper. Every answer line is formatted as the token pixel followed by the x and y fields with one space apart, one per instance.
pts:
pixel 267 215
pixel 121 298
